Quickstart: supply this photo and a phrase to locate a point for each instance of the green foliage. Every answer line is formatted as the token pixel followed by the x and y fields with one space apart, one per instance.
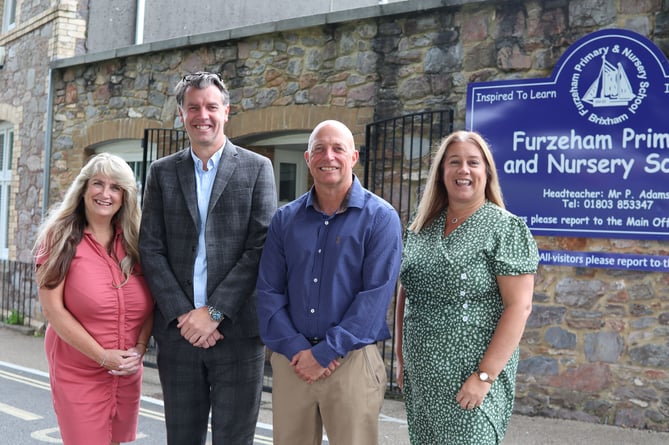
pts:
pixel 15 318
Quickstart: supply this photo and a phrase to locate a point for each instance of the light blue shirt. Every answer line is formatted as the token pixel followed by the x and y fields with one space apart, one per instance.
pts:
pixel 204 183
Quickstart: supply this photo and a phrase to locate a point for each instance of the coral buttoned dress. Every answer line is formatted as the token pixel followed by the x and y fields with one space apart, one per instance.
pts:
pixel 94 407
pixel 452 308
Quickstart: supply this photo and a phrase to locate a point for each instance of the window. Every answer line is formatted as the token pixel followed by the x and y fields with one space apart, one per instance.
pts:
pixel 290 174
pixel 287 181
pixel 9 15
pixel 6 155
pixel 290 169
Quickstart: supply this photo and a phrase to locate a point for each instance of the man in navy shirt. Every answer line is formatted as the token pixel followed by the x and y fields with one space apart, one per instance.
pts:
pixel 327 276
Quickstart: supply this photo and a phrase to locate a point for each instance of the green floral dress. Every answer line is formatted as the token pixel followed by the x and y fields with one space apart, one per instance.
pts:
pixel 452 308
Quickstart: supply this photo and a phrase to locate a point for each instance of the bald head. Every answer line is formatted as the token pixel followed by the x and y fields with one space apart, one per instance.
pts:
pixel 343 131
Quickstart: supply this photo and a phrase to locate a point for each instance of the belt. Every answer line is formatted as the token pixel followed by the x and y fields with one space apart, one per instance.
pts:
pixel 314 340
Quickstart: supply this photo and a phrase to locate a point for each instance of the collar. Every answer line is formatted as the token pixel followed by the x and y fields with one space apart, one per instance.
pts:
pixel 354 197
pixel 213 162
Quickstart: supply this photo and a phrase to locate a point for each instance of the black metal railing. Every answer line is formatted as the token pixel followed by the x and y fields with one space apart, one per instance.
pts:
pixel 158 143
pixel 18 293
pixel 397 156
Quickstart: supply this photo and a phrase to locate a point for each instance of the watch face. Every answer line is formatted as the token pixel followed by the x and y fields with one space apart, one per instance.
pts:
pixel 215 314
pixel 483 376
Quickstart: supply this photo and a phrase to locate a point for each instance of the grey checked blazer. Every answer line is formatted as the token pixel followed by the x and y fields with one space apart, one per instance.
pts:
pixel 243 200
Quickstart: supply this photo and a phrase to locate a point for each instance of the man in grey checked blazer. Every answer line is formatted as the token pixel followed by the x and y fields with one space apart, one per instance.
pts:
pixel 205 215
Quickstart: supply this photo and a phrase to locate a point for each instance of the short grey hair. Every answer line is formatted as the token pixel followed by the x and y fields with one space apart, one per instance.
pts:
pixel 201 80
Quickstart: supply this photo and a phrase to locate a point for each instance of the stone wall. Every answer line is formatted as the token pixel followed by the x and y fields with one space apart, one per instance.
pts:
pixel 43 32
pixel 595 347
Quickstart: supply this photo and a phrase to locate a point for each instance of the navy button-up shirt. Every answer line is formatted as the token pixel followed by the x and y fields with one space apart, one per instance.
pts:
pixel 330 277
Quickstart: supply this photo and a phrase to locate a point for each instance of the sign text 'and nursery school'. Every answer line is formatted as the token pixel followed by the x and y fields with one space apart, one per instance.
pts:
pixel 585 152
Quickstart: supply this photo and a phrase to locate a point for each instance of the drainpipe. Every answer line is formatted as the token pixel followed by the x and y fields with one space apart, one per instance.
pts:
pixel 139 22
pixel 47 145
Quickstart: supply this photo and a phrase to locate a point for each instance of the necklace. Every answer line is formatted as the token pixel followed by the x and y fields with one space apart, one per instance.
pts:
pixel 457 219
pixel 454 220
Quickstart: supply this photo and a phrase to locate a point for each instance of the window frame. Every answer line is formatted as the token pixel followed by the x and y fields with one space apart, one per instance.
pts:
pixel 6 164
pixel 9 15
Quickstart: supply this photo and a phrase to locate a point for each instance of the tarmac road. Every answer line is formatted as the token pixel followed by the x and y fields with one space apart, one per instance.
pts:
pixel 18 348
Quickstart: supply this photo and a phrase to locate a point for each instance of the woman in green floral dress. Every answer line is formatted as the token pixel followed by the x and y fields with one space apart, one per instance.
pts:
pixel 467 279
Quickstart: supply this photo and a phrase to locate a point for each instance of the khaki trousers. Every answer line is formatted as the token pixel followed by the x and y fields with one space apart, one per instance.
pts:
pixel 347 404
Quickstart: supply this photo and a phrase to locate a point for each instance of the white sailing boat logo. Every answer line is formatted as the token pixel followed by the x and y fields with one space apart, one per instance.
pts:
pixel 611 88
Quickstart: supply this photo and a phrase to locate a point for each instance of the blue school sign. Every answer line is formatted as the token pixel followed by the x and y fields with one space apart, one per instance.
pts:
pixel 585 152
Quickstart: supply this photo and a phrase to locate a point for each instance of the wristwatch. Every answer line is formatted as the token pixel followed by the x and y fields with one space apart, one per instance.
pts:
pixel 215 314
pixel 484 376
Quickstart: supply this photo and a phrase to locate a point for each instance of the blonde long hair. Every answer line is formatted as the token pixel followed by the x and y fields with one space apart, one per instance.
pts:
pixel 63 229
pixel 435 197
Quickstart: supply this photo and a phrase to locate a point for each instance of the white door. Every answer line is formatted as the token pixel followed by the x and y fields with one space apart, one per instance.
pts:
pixel 290 174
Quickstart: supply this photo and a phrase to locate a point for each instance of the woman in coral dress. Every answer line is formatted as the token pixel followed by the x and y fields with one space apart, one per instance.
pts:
pixel 97 304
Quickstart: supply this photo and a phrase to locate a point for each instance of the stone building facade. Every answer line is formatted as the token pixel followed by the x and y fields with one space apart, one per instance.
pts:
pixel 42 31
pixel 595 348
